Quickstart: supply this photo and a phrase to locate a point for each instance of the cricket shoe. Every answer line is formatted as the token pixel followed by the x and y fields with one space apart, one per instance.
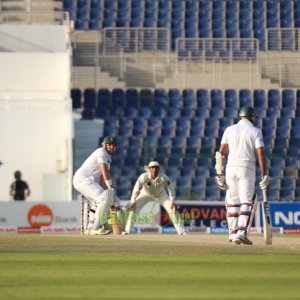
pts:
pixel 100 231
pixel 183 233
pixel 232 237
pixel 124 233
pixel 240 239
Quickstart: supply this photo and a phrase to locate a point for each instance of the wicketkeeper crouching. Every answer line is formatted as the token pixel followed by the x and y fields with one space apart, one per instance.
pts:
pixel 152 186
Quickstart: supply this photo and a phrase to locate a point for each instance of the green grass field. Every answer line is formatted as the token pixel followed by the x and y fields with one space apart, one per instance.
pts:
pixel 127 267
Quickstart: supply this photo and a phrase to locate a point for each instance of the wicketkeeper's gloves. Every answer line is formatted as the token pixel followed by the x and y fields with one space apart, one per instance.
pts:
pixel 221 182
pixel 266 182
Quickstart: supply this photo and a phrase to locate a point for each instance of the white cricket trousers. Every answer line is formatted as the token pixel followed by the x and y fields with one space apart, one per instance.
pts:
pixel 240 197
pixel 164 201
pixel 101 201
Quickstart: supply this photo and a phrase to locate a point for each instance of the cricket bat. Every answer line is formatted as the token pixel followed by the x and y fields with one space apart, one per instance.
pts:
pixel 115 222
pixel 267 222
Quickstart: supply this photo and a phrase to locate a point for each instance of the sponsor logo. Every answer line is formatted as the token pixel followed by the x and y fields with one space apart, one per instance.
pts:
pixel 28 230
pixel 200 229
pixel 40 215
pixel 290 218
pixel 219 230
pixel 8 230
pixel 168 230
pixel 149 229
pixel 291 230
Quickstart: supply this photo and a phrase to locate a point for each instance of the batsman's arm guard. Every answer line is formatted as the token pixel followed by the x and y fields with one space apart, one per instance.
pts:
pixel 220 170
pixel 220 165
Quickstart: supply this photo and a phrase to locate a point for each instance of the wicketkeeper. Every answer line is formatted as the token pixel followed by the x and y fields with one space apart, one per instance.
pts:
pixel 153 186
pixel 94 182
pixel 242 140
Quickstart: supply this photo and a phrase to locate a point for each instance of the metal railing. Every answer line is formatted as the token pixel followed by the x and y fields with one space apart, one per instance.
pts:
pixel 217 49
pixel 34 17
pixel 139 39
pixel 218 62
pixel 282 39
pixel 138 56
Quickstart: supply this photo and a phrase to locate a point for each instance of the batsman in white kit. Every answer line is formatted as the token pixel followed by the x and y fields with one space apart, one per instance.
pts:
pixel 243 141
pixel 153 186
pixel 94 182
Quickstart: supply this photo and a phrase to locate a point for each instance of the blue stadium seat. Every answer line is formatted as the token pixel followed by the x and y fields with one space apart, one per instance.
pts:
pixel 288 40
pixel 295 131
pixel 245 97
pixel 95 4
pixel 104 98
pixel 95 24
pixel 292 162
pixel 131 112
pixel 168 131
pixel 140 126
pixel 76 98
pixel 68 5
pixel 286 194
pixel 231 99
pixel 189 99
pixel 208 145
pixel 132 98
pixel 288 99
pixel 117 99
pixel 175 161
pixel 88 114
pixel 259 101
pixel 179 141
pixel 159 112
pixel 161 98
pixel 199 182
pixel 225 122
pixel 182 131
pixel 81 13
pixel 197 131
pixel 81 24
pixel 211 193
pixel 89 98
pixel 193 144
pixel 216 98
pixel 146 98
pixel 284 122
pixel 259 98
pixel 202 98
pixel 274 98
pixel 175 99
pixel 183 122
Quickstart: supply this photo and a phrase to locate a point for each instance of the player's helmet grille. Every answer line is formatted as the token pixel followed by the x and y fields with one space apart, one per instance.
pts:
pixel 110 140
pixel 247 111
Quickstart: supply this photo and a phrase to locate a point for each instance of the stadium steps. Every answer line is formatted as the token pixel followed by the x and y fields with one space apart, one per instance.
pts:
pixel 86 139
pixel 209 75
pixel 289 75
pixel 83 77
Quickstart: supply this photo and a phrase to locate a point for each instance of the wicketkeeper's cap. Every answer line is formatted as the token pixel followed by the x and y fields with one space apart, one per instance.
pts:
pixel 153 164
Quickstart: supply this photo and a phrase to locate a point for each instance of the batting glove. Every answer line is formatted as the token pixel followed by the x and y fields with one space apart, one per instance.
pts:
pixel 221 182
pixel 266 182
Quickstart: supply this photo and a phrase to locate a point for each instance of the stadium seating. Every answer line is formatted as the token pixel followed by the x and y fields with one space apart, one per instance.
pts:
pixel 189 18
pixel 189 142
pixel 177 125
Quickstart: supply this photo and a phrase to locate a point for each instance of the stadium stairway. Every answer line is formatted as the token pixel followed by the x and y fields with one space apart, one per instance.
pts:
pixel 86 136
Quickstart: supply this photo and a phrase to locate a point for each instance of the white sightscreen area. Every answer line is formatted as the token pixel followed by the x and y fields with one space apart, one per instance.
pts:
pixel 36 125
